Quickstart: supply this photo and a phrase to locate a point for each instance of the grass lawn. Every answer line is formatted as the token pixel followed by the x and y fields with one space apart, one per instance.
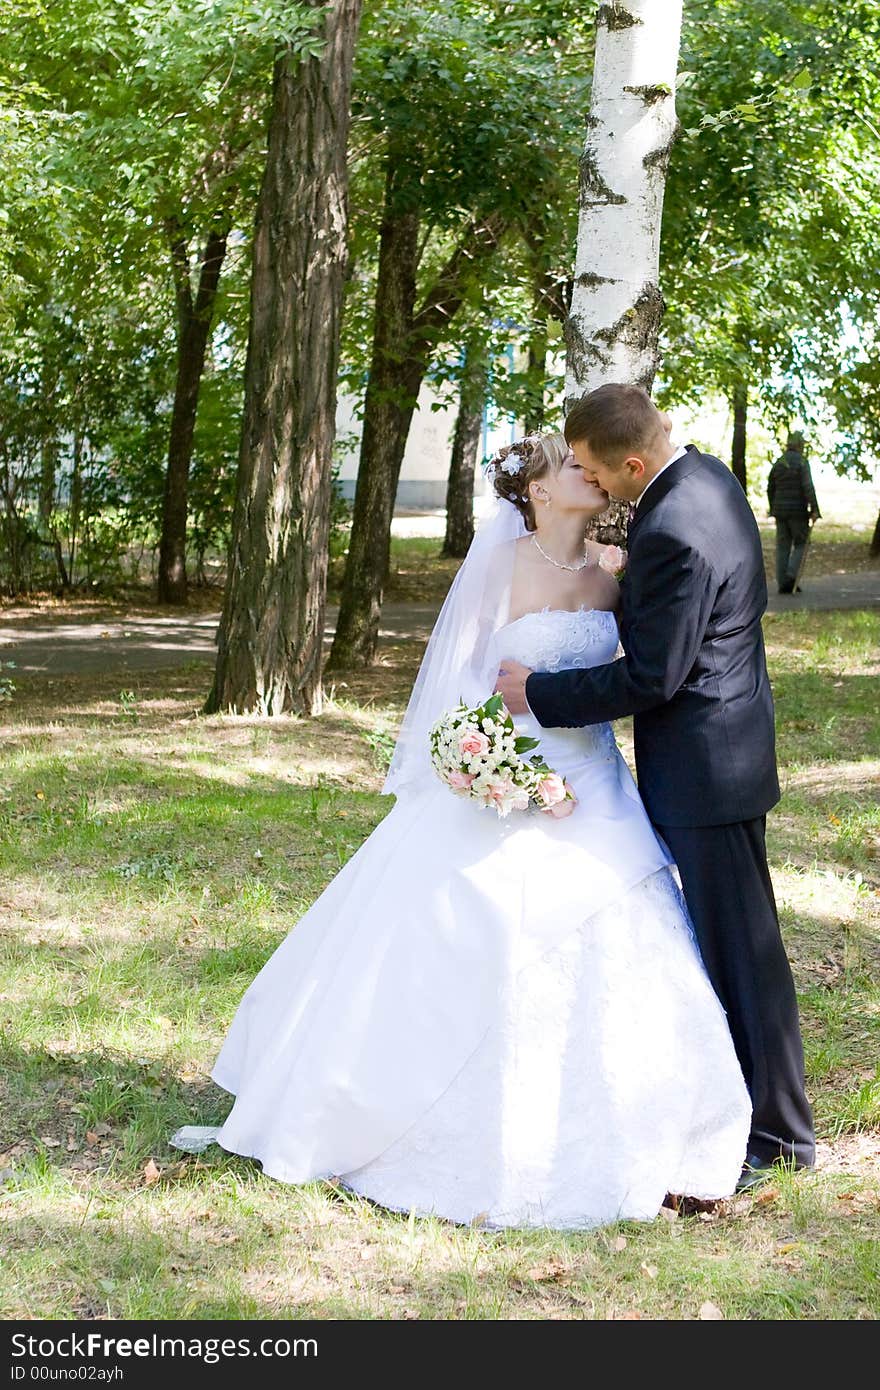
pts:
pixel 151 858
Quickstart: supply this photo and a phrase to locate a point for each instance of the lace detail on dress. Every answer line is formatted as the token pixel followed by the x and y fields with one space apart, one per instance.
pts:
pixel 572 1110
pixel 560 639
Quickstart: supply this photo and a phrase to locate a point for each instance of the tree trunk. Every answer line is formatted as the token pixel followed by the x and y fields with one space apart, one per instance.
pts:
pixel 551 298
pixel 392 391
pixel 75 505
pixel 738 447
pixel 465 449
pixel 398 366
pixel 537 370
pixel 193 327
pixel 271 632
pixel 612 329
pixel 875 539
pixel 48 467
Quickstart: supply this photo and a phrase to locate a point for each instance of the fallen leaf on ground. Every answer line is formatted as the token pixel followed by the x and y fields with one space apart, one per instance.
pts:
pixel 151 1173
pixel 765 1195
pixel 710 1312
pixel 91 1138
pixel 618 1243
pixel 552 1268
pixel 650 1270
pixel 50 1142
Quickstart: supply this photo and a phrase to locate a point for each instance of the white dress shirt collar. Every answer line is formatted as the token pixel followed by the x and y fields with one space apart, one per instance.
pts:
pixel 679 453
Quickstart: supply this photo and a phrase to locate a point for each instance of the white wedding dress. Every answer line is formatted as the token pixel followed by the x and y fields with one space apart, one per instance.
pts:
pixel 502 1021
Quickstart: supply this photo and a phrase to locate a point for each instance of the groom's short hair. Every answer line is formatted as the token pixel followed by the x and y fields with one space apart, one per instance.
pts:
pixel 616 420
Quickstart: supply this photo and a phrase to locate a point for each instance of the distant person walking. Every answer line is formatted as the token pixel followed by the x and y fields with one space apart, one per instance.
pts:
pixel 792 500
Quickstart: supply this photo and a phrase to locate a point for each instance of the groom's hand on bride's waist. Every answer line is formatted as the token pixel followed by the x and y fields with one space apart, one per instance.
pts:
pixel 511 686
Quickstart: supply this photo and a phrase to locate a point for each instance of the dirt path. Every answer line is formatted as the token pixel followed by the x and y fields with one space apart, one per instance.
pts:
pixel 81 646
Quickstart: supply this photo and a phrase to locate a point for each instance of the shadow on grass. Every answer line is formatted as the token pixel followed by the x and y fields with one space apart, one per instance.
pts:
pixel 87 1111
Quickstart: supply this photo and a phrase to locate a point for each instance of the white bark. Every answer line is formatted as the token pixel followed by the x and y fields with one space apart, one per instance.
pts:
pixel 616 304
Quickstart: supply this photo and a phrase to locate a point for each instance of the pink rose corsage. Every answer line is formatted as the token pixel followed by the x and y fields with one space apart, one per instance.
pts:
pixel 613 561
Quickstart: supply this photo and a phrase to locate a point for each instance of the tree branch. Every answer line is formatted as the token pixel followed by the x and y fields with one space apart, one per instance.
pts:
pixel 480 241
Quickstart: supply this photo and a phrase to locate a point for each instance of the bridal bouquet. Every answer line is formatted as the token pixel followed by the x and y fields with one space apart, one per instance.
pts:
pixel 477 752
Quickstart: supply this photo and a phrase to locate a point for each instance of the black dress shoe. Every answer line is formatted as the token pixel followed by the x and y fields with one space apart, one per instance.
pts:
pixel 786 587
pixel 757 1170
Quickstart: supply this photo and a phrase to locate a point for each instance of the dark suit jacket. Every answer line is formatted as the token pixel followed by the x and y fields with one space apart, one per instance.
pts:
pixel 694 674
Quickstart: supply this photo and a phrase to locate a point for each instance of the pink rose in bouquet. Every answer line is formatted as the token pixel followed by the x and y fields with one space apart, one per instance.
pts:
pixel 460 781
pixel 555 796
pixel 550 789
pixel 474 743
pixel 479 754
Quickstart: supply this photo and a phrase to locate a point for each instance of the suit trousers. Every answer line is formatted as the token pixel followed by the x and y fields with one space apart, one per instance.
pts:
pixel 729 895
pixel 792 535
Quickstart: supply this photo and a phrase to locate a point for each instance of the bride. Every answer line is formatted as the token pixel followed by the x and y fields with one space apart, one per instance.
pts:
pixel 500 1021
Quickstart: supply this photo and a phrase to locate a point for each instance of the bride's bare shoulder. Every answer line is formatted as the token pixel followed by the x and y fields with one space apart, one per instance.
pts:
pixel 524 550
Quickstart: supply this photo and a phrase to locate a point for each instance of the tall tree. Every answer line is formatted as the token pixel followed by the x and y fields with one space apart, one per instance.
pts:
pixel 616 304
pixel 457 95
pixel 404 338
pixel 613 325
pixel 465 448
pixel 194 313
pixel 271 631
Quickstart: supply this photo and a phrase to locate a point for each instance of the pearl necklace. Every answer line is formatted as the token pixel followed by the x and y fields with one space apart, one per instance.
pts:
pixel 558 563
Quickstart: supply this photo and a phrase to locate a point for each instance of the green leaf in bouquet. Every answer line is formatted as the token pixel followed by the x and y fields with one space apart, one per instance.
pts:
pixel 493 706
pixel 523 744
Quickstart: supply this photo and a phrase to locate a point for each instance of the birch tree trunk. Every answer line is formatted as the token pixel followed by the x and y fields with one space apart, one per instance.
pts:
pixel 271 632
pixel 612 328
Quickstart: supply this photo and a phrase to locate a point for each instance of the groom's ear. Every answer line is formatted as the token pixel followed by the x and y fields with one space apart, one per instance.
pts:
pixel 635 466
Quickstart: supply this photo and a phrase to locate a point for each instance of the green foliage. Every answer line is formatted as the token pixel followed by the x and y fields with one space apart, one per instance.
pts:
pixel 771 240
pixel 129 129
pixel 469 110
pixel 136 128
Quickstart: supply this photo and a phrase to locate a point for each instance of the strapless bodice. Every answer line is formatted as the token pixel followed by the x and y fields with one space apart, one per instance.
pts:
pixel 559 639
pixel 562 639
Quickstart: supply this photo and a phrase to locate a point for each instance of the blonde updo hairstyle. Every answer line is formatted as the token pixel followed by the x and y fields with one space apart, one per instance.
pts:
pixel 540 454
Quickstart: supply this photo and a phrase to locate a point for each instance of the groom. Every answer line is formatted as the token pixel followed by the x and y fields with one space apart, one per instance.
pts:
pixel 695 678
